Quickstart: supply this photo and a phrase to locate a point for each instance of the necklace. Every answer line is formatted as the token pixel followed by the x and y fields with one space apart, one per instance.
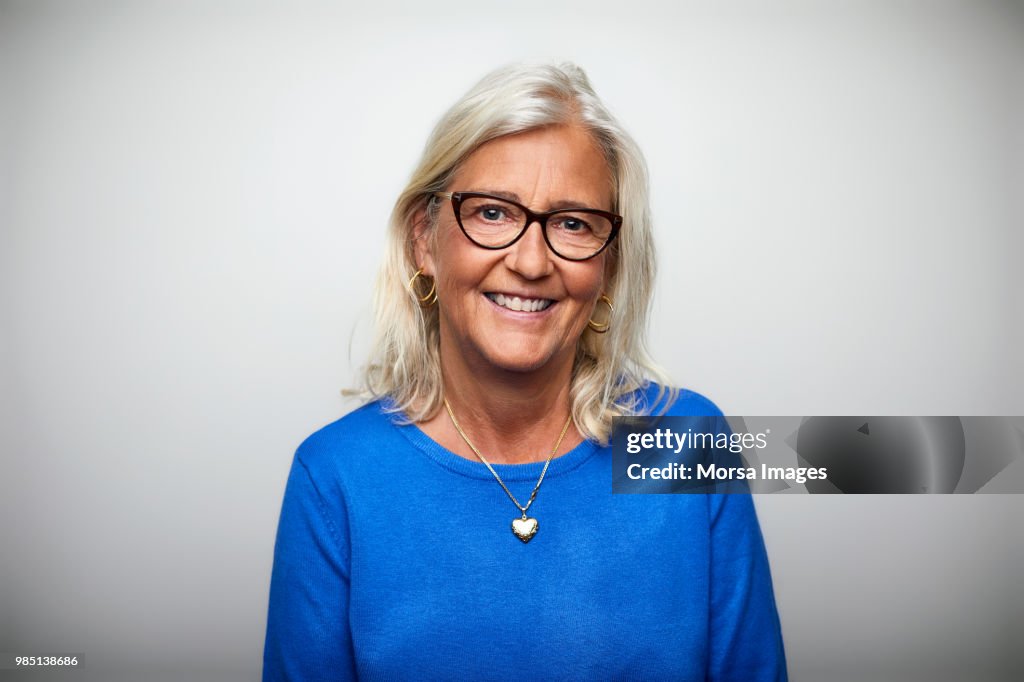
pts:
pixel 526 527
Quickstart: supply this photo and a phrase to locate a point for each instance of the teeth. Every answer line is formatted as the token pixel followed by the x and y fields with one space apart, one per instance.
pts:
pixel 530 305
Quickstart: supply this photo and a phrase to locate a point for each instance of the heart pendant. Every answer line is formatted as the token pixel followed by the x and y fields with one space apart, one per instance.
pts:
pixel 524 528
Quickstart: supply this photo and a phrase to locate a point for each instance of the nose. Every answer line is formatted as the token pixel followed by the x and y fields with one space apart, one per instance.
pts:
pixel 530 256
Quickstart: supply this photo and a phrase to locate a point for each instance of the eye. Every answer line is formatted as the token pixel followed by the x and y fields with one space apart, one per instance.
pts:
pixel 492 213
pixel 572 224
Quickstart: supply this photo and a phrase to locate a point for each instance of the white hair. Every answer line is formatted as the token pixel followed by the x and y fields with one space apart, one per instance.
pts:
pixel 609 368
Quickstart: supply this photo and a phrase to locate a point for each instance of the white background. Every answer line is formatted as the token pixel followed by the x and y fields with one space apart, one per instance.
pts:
pixel 192 207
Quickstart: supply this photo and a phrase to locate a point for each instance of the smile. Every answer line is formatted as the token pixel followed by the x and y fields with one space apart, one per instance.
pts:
pixel 526 305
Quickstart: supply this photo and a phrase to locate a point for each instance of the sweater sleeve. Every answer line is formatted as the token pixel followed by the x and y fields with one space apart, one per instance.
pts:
pixel 745 637
pixel 308 634
pixel 744 631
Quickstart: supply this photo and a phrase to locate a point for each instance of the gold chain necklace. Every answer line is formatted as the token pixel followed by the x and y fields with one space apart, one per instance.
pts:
pixel 526 527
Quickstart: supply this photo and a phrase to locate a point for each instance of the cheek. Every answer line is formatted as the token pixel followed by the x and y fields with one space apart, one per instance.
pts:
pixel 586 282
pixel 449 286
pixel 448 260
pixel 585 287
pixel 460 272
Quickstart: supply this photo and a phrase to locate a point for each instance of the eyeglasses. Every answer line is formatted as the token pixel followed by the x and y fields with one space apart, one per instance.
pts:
pixel 492 222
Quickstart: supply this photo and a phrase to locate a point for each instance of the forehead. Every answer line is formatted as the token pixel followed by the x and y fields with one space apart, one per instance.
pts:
pixel 542 167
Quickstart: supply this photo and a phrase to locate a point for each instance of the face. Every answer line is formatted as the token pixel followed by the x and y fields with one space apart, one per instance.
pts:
pixel 543 169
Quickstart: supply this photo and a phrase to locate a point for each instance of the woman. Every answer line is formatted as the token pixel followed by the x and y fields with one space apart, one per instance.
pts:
pixel 461 524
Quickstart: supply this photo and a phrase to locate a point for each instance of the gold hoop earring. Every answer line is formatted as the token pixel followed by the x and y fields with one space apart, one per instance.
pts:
pixel 431 297
pixel 602 327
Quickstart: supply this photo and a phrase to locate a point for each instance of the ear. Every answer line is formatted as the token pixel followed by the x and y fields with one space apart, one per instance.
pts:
pixel 421 235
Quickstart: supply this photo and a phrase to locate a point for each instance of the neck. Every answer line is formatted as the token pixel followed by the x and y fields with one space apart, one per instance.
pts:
pixel 511 417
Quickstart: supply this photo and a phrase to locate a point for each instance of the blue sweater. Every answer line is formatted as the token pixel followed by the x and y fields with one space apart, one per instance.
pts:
pixel 395 560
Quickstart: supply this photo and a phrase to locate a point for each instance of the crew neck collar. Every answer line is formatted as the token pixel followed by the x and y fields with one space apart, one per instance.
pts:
pixel 508 472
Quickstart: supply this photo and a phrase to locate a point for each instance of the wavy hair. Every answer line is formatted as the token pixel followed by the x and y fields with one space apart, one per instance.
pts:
pixel 609 368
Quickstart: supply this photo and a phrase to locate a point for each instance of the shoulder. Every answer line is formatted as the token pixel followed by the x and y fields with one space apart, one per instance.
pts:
pixel 680 402
pixel 366 427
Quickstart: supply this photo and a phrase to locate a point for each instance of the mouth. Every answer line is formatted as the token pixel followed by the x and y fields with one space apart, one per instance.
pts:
pixel 518 304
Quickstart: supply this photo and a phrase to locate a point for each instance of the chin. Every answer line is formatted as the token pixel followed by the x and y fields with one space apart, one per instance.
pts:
pixel 515 360
pixel 519 365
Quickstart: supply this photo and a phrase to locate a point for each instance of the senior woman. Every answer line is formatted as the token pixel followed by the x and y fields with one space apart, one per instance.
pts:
pixel 460 524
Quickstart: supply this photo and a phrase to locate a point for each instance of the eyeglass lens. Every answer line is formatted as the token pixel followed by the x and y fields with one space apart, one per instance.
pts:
pixel 494 223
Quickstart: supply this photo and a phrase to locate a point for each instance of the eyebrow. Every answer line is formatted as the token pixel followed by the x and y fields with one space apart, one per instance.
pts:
pixel 512 196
